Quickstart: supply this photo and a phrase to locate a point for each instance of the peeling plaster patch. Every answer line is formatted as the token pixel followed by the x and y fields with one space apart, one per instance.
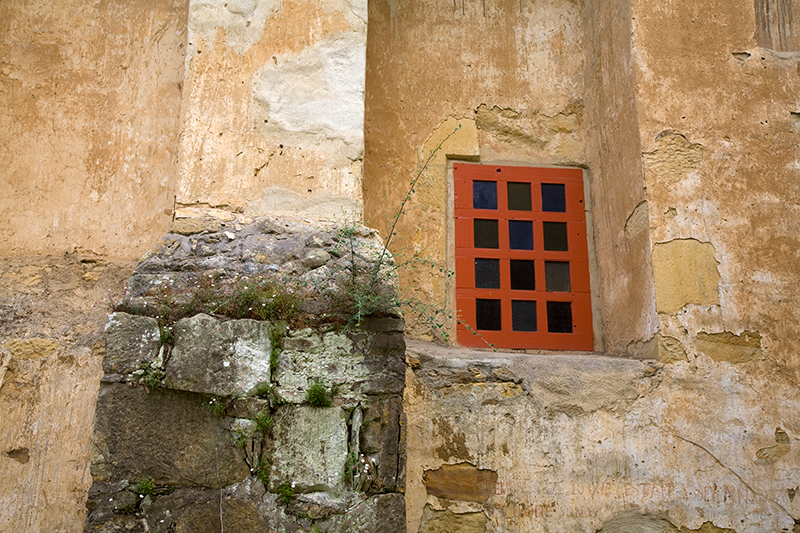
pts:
pixel 781 448
pixel 317 95
pixel 502 121
pixel 532 129
pixel 434 521
pixel 454 444
pixel 728 347
pixel 670 350
pixel 277 201
pixel 21 455
pixel 741 57
pixel 637 221
pixel 685 272
pixel 673 158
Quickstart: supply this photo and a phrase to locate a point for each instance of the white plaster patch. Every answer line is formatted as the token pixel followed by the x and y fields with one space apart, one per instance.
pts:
pixel 318 94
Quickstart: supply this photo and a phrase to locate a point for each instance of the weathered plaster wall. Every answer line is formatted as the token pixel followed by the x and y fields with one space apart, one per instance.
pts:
pixel 527 443
pixel 621 232
pixel 52 313
pixel 719 128
pixel 510 72
pixel 89 105
pixel 272 118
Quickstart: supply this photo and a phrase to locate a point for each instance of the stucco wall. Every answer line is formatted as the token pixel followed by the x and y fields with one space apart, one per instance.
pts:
pixel 719 128
pixel 510 73
pixel 272 118
pixel 89 104
pixel 619 207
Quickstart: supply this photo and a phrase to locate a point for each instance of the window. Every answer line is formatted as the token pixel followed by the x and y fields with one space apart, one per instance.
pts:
pixel 522 262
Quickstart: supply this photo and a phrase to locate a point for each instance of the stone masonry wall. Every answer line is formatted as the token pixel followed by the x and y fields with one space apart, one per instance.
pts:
pixel 212 423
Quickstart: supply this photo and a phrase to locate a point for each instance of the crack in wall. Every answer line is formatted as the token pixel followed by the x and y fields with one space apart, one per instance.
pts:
pixel 729 469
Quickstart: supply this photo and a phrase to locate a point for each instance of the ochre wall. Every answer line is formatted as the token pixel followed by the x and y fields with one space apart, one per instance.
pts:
pixel 617 192
pixel 509 72
pixel 90 97
pixel 720 130
pixel 89 105
pixel 272 118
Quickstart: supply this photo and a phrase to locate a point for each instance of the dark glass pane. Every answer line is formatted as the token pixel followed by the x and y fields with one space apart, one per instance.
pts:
pixel 486 233
pixel 555 236
pixel 484 195
pixel 519 196
pixel 520 234
pixel 487 273
pixel 522 275
pixel 487 314
pixel 553 197
pixel 523 315
pixel 559 317
pixel 556 276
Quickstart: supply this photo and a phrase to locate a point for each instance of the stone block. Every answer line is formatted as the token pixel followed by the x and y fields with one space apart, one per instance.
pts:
pixel 169 435
pixel 309 448
pixel 461 481
pixel 379 437
pixel 131 341
pixel 222 358
pixel 447 522
pixel 329 358
pixel 190 226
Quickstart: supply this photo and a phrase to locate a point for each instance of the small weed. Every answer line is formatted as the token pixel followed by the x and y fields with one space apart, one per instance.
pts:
pixel 217 405
pixel 317 395
pixel 351 468
pixel 263 422
pixel 167 336
pixel 240 438
pixel 285 492
pixel 152 376
pixel 275 338
pixel 261 471
pixel 263 389
pixel 145 486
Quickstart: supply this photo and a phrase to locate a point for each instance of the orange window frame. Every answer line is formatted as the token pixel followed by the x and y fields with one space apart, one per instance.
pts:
pixel 577 255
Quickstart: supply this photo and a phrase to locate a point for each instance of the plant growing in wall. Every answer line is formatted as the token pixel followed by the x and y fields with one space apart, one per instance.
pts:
pixel 317 395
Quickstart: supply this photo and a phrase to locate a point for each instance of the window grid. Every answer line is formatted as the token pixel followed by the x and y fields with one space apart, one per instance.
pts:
pixel 516 330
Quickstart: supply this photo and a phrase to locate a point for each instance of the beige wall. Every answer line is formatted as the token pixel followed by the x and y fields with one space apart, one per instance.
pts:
pixel 272 117
pixel 89 102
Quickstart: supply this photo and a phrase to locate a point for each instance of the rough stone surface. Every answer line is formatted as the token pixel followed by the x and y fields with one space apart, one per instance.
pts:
pixel 131 341
pixel 310 449
pixel 436 521
pixel 219 357
pixel 171 436
pixel 232 428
